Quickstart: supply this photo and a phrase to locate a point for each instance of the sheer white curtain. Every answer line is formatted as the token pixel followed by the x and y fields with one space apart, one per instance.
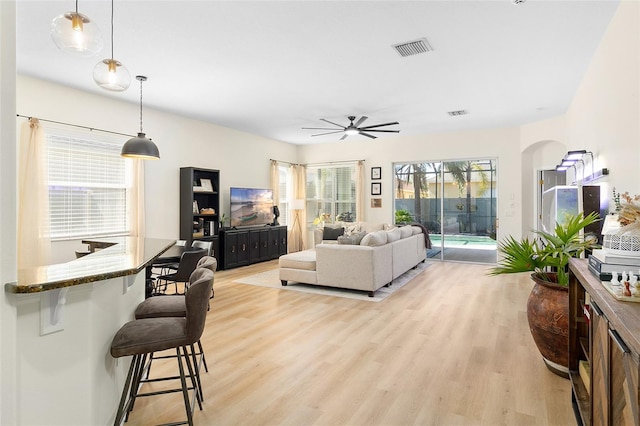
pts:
pixel 275 181
pixel 360 191
pixel 135 201
pixel 34 245
pixel 298 233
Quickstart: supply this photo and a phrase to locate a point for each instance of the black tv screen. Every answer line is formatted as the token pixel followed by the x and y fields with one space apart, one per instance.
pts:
pixel 251 206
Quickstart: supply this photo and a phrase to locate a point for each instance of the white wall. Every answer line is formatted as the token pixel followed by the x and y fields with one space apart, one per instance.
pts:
pixel 8 352
pixel 604 115
pixel 242 158
pixel 503 144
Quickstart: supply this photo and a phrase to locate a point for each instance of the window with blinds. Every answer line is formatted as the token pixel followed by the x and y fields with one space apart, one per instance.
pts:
pixel 331 193
pixel 87 185
pixel 284 180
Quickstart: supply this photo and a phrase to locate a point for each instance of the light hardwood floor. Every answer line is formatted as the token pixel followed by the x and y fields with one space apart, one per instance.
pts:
pixel 452 347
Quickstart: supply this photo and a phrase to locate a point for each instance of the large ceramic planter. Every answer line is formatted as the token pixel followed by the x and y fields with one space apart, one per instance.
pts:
pixel 548 315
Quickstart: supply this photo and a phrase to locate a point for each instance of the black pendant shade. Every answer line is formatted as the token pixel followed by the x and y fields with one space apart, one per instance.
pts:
pixel 140 147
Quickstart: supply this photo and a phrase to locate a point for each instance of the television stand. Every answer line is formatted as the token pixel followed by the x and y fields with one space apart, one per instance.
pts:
pixel 252 244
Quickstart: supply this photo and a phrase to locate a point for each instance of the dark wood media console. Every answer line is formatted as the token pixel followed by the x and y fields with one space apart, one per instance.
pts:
pixel 248 245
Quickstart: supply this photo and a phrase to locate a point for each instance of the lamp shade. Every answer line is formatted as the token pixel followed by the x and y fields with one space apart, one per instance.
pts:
pixel 74 33
pixel 111 75
pixel 140 147
pixel 297 204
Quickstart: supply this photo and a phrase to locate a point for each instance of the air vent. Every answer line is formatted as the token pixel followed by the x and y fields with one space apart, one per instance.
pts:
pixel 413 47
pixel 459 112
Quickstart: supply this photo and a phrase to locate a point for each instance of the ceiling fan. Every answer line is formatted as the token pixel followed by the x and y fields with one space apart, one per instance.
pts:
pixel 353 129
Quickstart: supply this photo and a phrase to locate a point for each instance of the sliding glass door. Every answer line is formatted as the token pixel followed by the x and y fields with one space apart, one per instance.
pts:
pixel 456 201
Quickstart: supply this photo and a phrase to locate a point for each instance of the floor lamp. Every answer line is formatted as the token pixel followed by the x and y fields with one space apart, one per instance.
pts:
pixel 296 206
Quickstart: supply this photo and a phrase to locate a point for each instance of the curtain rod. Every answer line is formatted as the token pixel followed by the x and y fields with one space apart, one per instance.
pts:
pixel 316 164
pixel 76 125
pixel 333 162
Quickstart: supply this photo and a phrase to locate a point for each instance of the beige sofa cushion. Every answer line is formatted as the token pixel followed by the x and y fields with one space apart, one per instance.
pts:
pixel 373 239
pixel 393 235
pixel 305 260
pixel 406 231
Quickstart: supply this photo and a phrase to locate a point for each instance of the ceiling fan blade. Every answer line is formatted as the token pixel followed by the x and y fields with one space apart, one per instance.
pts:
pixel 386 131
pixel 320 128
pixel 359 122
pixel 344 137
pixel 367 135
pixel 328 133
pixel 335 124
pixel 378 125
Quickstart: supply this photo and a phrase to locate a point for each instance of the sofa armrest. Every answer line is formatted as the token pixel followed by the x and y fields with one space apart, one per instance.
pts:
pixel 353 266
pixel 317 236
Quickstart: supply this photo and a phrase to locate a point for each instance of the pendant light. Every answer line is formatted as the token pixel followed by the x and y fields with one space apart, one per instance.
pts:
pixel 140 146
pixel 110 74
pixel 74 33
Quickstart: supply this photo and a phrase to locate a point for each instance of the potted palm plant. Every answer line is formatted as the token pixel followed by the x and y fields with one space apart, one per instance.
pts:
pixel 548 304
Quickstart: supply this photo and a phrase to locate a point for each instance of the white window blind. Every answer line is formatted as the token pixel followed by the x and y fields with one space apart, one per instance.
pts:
pixel 87 185
pixel 284 188
pixel 331 193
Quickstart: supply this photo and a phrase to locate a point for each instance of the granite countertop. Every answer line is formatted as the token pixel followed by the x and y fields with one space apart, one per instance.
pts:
pixel 127 256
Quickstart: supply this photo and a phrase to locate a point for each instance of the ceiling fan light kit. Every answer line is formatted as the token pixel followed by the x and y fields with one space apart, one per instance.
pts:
pixel 110 74
pixel 74 33
pixel 353 128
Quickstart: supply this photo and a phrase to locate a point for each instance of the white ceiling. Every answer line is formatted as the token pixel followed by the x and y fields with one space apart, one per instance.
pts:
pixel 272 67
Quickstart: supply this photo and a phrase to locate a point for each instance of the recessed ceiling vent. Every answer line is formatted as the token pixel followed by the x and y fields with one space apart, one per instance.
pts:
pixel 413 47
pixel 459 112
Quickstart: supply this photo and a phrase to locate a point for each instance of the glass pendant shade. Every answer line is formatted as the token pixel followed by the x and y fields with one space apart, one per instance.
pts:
pixel 74 33
pixel 112 75
pixel 140 147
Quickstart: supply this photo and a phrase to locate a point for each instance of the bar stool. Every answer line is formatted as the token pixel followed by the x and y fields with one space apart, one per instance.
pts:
pixel 142 337
pixel 174 306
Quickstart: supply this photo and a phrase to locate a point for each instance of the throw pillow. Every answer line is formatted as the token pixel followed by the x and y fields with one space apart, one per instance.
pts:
pixel 393 235
pixel 353 239
pixel 416 230
pixel 351 228
pixel 373 239
pixel 406 232
pixel 332 233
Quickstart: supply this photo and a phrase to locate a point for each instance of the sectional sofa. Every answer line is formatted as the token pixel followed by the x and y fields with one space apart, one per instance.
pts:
pixel 367 261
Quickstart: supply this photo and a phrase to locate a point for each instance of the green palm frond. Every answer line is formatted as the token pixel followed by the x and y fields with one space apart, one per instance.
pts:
pixel 519 256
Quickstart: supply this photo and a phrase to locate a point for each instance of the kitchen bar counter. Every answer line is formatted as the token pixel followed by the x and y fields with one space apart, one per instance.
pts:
pixel 123 256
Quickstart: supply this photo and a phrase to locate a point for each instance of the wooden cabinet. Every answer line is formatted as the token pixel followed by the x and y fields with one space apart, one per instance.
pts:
pixel 604 333
pixel 200 206
pixel 245 246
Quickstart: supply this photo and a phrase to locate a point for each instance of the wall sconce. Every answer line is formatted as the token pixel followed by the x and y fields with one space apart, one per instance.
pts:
pixel 572 158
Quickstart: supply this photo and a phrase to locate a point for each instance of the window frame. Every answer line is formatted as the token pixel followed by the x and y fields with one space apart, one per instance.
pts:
pixel 96 153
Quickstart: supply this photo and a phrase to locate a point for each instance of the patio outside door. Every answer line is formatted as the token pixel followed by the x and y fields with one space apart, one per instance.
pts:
pixel 456 201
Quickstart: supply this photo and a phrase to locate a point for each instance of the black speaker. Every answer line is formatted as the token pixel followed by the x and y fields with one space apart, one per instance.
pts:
pixel 591 204
pixel 276 215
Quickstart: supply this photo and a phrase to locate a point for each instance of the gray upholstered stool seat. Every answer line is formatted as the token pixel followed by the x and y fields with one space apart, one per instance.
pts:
pixel 174 306
pixel 142 337
pixel 162 306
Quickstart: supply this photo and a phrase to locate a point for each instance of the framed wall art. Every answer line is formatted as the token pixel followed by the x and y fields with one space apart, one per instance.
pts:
pixel 376 173
pixel 376 188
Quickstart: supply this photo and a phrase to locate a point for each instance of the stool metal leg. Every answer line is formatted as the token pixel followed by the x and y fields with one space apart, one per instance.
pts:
pixel 204 360
pixel 185 392
pixel 123 399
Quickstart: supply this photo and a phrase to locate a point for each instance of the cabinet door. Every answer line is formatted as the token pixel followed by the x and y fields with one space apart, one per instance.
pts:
pixel 254 246
pixel 230 240
pixel 599 367
pixel 243 248
pixel 282 234
pixel 624 382
pixel 264 244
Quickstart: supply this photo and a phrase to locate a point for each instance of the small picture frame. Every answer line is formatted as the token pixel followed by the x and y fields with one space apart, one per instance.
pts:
pixel 196 210
pixel 376 188
pixel 376 203
pixel 206 185
pixel 376 173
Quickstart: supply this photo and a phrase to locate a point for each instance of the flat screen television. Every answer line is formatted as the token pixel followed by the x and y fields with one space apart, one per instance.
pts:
pixel 251 206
